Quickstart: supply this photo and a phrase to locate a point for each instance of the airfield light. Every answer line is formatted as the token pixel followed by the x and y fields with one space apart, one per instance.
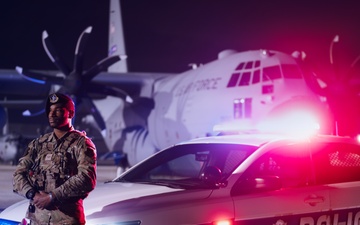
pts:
pixel 358 138
pixel 264 52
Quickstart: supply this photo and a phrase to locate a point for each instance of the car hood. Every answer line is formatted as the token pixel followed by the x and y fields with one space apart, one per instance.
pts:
pixel 118 195
pixel 112 192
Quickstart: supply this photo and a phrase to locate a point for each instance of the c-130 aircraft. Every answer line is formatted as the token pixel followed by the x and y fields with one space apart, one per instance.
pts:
pixel 139 114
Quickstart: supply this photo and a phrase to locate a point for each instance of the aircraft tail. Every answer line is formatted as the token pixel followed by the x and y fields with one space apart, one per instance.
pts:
pixel 116 37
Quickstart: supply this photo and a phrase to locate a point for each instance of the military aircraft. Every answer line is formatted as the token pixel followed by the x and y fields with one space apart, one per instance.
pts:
pixel 138 113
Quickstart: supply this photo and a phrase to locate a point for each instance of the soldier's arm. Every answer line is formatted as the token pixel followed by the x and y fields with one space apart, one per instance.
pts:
pixel 84 181
pixel 21 182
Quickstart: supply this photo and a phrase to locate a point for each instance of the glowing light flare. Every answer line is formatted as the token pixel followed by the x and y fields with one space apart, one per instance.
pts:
pixel 294 121
pixel 297 123
pixel 223 222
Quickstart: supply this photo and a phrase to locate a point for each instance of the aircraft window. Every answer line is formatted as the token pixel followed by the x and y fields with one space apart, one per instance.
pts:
pixel 238 108
pixel 233 80
pixel 272 73
pixel 268 89
pixel 245 79
pixel 248 108
pixel 256 77
pixel 291 71
pixel 249 65
pixel 257 63
pixel 240 66
pixel 242 108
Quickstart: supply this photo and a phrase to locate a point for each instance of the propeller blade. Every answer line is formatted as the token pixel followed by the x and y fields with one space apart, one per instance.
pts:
pixel 138 112
pixel 38 111
pixel 112 91
pixel 334 40
pixel 90 107
pixel 314 82
pixel 28 113
pixel 353 70
pixel 144 103
pixel 79 51
pixel 333 54
pixel 101 66
pixel 39 78
pixel 77 83
pixel 52 54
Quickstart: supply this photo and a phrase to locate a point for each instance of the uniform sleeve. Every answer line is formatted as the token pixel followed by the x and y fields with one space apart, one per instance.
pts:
pixel 81 184
pixel 21 181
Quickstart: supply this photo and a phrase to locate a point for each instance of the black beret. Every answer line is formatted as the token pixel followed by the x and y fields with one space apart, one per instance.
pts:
pixel 57 98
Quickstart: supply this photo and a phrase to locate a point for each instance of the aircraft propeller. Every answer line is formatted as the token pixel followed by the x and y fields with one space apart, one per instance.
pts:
pixel 76 82
pixel 340 91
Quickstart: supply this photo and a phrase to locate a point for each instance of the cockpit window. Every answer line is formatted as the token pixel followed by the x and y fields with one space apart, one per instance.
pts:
pixel 245 79
pixel 249 65
pixel 240 66
pixel 291 71
pixel 233 80
pixel 244 73
pixel 271 73
pixel 256 77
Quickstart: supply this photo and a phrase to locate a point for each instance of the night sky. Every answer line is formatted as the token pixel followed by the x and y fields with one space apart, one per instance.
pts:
pixel 165 36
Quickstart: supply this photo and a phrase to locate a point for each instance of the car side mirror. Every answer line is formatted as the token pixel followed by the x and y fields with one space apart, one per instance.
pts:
pixel 257 184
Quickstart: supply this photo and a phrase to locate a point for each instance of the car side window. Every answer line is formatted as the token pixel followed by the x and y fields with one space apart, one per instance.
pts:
pixel 289 165
pixel 337 163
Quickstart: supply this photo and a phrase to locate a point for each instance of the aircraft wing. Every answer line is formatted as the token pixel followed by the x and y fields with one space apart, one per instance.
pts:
pixel 18 92
pixel 14 87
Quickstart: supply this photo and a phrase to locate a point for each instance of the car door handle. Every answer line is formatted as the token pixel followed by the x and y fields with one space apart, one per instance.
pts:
pixel 314 200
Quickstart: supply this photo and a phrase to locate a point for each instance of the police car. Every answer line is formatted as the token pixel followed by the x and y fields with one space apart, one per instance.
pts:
pixel 237 179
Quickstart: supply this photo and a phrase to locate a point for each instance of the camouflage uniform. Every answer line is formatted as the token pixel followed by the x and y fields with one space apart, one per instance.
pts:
pixel 66 167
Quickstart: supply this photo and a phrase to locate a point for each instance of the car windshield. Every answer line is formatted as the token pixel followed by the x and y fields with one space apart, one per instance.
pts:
pixel 183 166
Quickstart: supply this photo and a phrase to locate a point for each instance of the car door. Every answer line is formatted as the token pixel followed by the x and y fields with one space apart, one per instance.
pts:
pixel 337 166
pixel 278 189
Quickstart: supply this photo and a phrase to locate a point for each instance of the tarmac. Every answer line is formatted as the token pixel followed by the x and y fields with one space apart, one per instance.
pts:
pixel 8 197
